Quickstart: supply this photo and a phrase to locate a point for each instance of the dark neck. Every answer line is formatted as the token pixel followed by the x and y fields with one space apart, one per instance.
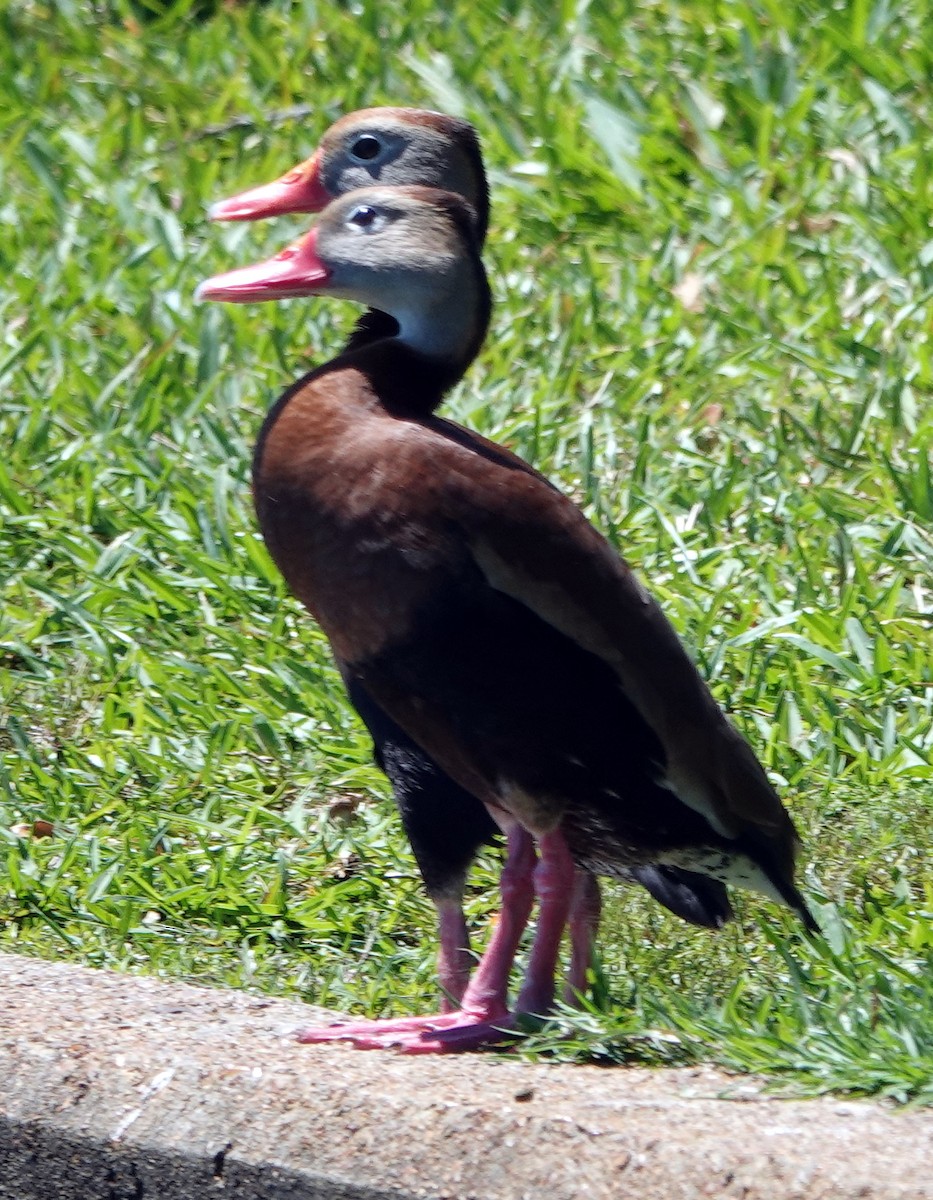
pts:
pixel 372 326
pixel 405 382
pixel 423 379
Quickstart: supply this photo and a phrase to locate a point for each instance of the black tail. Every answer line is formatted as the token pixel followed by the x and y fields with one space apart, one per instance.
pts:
pixel 781 875
pixel 694 897
pixel 793 898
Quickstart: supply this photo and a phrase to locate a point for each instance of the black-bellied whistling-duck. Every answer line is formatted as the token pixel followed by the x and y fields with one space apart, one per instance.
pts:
pixel 444 823
pixel 390 146
pixel 482 612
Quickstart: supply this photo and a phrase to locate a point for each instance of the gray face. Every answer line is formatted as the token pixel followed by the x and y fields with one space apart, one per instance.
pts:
pixel 402 252
pixel 381 231
pixel 397 153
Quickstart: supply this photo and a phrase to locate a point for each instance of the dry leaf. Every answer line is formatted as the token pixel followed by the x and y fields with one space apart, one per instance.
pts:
pixel 38 829
pixel 690 292
pixel 820 224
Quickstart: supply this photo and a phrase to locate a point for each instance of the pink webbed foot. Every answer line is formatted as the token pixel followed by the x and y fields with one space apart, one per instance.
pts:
pixel 483 1018
pixel 443 1033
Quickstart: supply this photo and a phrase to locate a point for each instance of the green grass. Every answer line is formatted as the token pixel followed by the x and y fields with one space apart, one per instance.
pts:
pixel 712 257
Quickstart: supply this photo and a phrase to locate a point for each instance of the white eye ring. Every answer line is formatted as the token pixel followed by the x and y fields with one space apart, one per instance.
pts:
pixel 365 217
pixel 366 147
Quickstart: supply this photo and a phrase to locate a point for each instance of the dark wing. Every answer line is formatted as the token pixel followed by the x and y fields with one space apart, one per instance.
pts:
pixel 534 545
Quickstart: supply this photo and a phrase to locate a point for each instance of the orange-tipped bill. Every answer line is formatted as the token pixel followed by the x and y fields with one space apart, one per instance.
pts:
pixel 298 191
pixel 295 271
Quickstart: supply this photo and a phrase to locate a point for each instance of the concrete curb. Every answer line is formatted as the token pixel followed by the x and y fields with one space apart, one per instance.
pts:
pixel 125 1088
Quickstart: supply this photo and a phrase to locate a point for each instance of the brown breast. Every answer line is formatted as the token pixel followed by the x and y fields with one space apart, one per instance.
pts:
pixel 348 501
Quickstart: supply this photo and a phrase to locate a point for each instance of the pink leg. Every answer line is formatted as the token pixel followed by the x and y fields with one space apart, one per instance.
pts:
pixel 454 960
pixel 584 925
pixel 554 885
pixel 484 1015
pixel 488 989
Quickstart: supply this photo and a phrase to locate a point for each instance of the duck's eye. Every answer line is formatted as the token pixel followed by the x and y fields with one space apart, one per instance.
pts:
pixel 363 217
pixel 366 147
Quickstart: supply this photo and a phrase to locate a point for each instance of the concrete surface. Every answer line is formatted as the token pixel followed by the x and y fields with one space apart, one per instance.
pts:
pixel 120 1088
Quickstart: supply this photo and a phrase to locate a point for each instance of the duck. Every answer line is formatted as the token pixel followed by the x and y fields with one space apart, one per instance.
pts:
pixel 445 825
pixel 392 146
pixel 485 616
